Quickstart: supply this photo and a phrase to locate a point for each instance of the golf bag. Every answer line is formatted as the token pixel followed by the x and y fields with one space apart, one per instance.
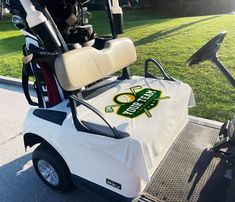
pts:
pixel 45 84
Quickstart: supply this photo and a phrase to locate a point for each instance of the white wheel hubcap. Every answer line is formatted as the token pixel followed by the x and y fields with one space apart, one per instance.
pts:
pixel 48 172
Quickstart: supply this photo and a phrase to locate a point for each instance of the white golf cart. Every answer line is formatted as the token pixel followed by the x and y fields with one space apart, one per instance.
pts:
pixel 128 137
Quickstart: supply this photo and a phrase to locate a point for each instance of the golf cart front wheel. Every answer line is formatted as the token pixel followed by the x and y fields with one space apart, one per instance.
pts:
pixel 51 168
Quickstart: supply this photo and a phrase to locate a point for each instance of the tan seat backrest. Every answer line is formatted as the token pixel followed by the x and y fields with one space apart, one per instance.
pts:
pixel 78 68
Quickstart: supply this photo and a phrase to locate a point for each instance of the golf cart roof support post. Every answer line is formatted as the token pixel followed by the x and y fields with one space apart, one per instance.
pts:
pixel 125 74
pixel 111 21
pixel 125 71
pixel 223 69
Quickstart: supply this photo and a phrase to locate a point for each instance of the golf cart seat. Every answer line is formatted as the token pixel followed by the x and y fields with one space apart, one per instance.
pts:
pixel 80 67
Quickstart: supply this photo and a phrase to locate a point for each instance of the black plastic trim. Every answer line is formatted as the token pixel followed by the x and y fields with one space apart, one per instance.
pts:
pixel 56 117
pixel 125 74
pixel 31 139
pixel 98 89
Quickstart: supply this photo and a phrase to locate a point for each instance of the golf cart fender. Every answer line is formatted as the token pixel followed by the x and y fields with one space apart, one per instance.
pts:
pixel 37 131
pixel 31 139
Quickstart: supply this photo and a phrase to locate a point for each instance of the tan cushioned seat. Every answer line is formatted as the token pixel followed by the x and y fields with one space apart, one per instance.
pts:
pixel 78 68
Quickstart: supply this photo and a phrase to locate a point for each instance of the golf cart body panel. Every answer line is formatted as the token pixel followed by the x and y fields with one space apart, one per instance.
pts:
pixel 134 158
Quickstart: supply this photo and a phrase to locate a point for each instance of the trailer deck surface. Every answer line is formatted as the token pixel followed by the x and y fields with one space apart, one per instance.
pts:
pixel 191 171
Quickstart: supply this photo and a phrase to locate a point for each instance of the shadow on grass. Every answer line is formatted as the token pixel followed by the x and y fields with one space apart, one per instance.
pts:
pixel 164 34
pixel 132 19
pixel 140 23
pixel 11 44
pixel 137 18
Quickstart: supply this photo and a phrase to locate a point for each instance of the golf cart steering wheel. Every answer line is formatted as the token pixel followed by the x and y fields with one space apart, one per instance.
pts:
pixel 208 51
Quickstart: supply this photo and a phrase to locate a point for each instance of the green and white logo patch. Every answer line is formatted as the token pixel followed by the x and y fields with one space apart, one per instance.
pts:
pixel 137 102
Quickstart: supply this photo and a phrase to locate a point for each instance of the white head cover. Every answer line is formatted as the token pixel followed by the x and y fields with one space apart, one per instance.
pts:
pixel 34 17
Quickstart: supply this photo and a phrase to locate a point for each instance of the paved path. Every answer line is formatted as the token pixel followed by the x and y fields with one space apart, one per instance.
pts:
pixel 18 180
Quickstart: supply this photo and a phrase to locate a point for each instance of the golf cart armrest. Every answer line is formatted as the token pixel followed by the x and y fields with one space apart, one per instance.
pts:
pixel 91 127
pixel 147 74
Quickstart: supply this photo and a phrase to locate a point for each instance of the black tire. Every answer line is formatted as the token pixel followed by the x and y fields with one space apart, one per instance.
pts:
pixel 46 154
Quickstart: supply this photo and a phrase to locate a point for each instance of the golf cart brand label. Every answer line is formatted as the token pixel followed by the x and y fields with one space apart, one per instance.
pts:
pixel 113 184
pixel 137 102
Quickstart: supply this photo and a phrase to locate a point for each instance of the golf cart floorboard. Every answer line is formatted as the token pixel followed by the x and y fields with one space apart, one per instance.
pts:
pixel 190 172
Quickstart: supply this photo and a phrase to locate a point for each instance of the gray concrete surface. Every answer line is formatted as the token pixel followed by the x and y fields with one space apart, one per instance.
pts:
pixel 18 180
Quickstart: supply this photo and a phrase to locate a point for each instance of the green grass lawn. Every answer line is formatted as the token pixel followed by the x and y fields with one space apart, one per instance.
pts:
pixel 172 42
